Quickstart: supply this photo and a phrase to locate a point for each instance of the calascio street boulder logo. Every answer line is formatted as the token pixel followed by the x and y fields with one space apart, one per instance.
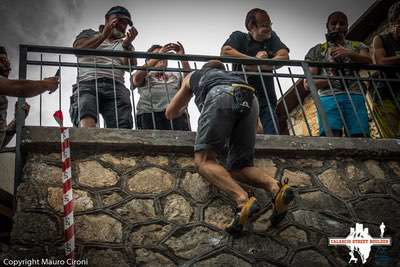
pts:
pixel 359 241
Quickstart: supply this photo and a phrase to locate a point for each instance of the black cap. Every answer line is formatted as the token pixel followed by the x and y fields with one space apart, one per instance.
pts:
pixel 122 12
pixel 3 50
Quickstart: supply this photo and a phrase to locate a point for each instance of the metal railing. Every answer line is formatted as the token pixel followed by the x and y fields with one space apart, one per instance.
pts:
pixel 287 78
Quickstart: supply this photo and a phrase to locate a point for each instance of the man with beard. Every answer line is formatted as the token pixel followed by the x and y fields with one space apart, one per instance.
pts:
pixel 387 52
pixel 337 49
pixel 102 90
pixel 229 112
pixel 260 42
pixel 17 88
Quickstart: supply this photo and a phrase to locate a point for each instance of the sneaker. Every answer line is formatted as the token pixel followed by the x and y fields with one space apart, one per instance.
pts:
pixel 243 216
pixel 281 202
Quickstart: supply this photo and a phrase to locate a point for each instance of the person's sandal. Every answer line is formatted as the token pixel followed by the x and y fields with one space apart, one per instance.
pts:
pixel 282 199
pixel 243 216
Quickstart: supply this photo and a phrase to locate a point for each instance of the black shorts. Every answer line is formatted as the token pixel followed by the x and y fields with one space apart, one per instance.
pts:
pixel 219 126
pixel 109 106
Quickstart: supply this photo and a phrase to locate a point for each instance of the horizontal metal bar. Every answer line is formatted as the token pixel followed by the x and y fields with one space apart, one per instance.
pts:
pixel 189 57
pixel 352 66
pixel 353 78
pixel 138 54
pixel 126 68
pixel 98 66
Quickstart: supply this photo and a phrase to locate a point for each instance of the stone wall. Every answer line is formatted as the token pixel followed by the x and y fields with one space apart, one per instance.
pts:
pixel 7 161
pixel 146 205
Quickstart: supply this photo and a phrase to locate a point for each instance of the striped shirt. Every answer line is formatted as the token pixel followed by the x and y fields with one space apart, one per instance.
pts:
pixel 157 91
pixel 86 74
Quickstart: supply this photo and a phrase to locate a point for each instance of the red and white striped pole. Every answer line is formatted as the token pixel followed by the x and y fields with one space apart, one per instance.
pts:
pixel 69 233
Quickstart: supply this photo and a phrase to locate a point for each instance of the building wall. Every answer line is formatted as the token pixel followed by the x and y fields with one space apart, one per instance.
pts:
pixel 299 122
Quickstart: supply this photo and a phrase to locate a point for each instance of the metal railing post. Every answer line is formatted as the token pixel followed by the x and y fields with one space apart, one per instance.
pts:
pixel 276 75
pixel 20 119
pixel 315 96
pixel 40 97
pixel 171 122
pixel 132 89
pixel 271 111
pixel 300 103
pixel 181 77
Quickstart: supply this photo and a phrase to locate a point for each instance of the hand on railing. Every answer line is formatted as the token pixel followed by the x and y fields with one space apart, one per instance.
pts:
pixel 262 54
pixel 50 84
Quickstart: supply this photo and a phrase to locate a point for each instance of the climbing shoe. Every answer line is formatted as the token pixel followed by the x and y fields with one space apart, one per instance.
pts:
pixel 281 201
pixel 249 209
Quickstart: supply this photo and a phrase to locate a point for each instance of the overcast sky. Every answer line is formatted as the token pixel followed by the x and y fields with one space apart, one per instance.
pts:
pixel 201 26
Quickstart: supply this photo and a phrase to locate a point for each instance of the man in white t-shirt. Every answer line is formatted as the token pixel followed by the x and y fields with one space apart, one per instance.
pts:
pixel 157 88
pixel 102 90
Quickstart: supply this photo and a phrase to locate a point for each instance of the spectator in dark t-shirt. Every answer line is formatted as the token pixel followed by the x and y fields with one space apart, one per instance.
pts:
pixel 387 51
pixel 263 43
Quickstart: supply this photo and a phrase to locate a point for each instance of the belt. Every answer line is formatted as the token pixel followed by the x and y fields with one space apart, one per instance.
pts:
pixel 237 86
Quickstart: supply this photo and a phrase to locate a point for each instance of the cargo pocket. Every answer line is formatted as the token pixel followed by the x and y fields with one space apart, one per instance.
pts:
pixel 242 101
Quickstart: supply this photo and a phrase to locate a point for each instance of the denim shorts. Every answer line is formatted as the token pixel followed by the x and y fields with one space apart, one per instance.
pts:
pixel 110 105
pixel 219 127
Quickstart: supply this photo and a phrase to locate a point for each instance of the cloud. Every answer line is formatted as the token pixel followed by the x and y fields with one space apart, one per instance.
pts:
pixel 43 22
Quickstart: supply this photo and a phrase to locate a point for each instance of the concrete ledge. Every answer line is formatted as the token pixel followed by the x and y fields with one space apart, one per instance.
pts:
pixel 47 139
